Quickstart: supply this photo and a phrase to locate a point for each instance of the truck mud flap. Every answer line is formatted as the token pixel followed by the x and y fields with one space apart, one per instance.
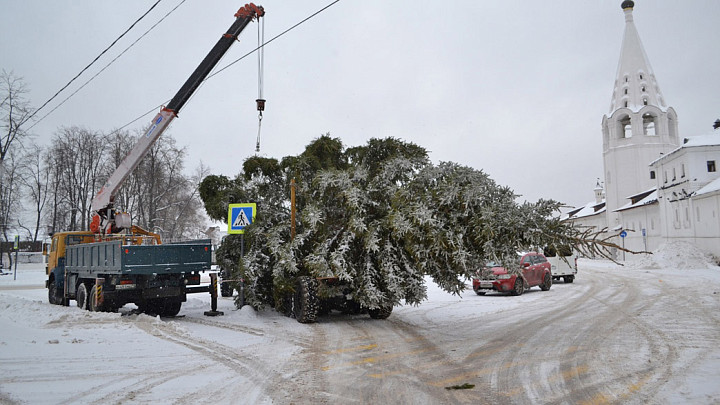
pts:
pixel 163 292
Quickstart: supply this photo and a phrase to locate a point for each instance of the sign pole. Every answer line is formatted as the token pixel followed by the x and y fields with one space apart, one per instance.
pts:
pixel 17 247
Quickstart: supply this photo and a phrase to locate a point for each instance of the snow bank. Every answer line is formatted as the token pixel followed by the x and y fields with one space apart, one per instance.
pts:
pixel 676 255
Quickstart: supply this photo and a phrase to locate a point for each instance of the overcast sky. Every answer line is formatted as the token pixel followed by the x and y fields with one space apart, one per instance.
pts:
pixel 515 88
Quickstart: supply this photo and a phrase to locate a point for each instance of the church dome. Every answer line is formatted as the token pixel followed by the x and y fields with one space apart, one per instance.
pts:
pixel 627 4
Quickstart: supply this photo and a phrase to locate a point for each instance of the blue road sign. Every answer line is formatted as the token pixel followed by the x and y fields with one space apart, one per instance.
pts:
pixel 240 216
pixel 623 234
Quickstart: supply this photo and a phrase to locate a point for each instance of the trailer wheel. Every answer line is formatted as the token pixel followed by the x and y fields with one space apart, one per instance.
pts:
pixel 81 296
pixel 53 293
pixel 305 300
pixel 568 279
pixel 380 313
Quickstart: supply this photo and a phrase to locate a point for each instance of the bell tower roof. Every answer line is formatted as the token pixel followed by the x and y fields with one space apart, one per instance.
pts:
pixel 635 82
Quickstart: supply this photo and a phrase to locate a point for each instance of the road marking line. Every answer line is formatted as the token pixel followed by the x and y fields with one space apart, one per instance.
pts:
pixel 598 399
pixel 374 359
pixel 352 349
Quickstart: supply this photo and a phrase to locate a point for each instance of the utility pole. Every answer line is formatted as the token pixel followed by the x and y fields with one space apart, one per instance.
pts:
pixel 292 209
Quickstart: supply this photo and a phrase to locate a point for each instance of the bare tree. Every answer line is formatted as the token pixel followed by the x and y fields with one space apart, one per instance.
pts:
pixel 15 112
pixel 57 215
pixel 189 217
pixel 9 198
pixel 119 144
pixel 160 184
pixel 158 195
pixel 78 154
pixel 36 182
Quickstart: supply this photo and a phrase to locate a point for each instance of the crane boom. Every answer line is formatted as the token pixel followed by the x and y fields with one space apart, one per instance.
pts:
pixel 102 205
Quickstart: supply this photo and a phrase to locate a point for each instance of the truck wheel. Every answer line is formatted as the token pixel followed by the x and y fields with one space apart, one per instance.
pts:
pixel 380 313
pixel 305 300
pixel 518 287
pixel 547 282
pixel 92 304
pixel 569 279
pixel 53 293
pixel 350 307
pixel 169 308
pixel 81 296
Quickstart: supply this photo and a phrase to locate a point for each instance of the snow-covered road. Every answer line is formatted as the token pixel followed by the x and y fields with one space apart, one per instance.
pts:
pixel 616 335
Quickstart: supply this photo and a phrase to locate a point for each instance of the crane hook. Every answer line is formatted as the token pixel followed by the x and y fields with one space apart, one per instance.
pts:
pixel 261 108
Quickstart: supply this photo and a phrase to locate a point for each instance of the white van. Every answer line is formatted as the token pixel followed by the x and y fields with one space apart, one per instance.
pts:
pixel 563 262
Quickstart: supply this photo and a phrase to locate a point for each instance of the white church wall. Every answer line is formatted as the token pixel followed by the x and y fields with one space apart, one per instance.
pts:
pixel 642 225
pixel 707 222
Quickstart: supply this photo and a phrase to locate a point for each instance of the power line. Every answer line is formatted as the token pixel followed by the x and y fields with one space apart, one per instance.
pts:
pixel 108 65
pixel 95 60
pixel 241 58
pixel 273 38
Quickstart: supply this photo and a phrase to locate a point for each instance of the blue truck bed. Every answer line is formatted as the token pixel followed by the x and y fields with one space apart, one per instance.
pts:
pixel 89 259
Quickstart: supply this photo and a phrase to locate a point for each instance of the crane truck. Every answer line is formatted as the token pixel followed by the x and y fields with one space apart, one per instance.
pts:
pixel 115 262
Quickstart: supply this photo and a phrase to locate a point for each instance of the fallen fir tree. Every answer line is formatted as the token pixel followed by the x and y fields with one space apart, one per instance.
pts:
pixel 372 222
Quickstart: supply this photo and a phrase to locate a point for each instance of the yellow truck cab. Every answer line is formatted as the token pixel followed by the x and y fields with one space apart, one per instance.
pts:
pixel 62 239
pixel 55 267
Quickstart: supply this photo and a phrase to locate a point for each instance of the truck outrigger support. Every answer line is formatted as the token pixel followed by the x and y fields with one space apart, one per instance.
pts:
pixel 213 297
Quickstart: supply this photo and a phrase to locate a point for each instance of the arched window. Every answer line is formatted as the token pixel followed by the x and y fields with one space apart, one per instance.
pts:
pixel 672 128
pixel 649 125
pixel 625 127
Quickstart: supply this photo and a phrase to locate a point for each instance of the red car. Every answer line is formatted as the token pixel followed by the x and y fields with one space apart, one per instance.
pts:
pixel 535 272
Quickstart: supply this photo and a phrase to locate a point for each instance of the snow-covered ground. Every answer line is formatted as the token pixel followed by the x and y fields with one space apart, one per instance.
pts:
pixel 671 303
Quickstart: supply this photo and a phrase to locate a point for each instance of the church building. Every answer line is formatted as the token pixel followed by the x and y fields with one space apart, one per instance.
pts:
pixel 658 186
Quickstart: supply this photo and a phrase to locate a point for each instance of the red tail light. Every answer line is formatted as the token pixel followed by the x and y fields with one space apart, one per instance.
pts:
pixel 192 279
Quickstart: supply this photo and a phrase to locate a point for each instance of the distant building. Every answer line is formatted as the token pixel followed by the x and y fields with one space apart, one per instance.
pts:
pixel 657 188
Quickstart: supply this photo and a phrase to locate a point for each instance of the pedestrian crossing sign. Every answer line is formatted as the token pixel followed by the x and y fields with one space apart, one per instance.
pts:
pixel 240 216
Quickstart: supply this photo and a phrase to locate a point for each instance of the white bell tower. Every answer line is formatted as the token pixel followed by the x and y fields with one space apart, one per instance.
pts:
pixel 640 126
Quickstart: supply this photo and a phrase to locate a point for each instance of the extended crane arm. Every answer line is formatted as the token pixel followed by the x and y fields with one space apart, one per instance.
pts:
pixel 102 205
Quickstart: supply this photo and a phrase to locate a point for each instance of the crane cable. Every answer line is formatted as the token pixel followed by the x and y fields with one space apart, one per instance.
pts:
pixel 220 70
pixel 261 65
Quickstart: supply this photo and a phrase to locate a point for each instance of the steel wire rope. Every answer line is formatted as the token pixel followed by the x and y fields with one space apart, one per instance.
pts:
pixel 232 63
pixel 261 64
pixel 94 60
pixel 110 63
